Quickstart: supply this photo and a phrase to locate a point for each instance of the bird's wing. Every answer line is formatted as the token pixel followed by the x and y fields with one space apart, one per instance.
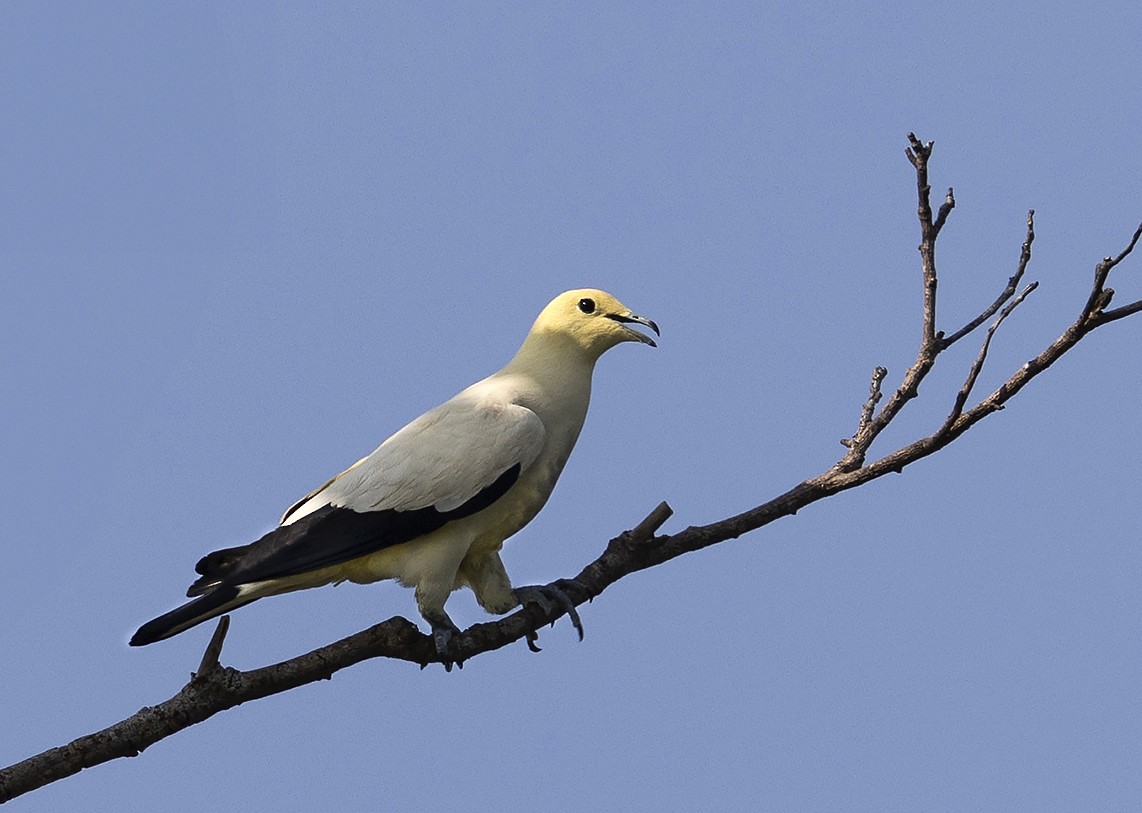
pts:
pixel 449 463
pixel 442 459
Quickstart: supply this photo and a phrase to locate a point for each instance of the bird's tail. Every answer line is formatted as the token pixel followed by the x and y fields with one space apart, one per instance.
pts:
pixel 222 599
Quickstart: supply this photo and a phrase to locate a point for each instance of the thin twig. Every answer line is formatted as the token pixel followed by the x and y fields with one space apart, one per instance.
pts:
pixel 1006 293
pixel 646 529
pixel 1118 313
pixel 945 210
pixel 1098 299
pixel 965 391
pixel 918 154
pixel 857 443
pixel 931 342
pixel 213 651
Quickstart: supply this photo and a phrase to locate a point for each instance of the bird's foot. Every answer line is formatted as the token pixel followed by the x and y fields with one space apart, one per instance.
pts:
pixel 442 631
pixel 550 597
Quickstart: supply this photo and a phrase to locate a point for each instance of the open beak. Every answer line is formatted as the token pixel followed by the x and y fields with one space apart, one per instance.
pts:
pixel 630 318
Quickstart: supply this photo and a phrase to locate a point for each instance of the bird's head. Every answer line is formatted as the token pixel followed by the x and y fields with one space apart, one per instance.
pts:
pixel 594 320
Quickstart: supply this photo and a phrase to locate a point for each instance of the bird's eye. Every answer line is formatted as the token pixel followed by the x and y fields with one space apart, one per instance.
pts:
pixel 587 305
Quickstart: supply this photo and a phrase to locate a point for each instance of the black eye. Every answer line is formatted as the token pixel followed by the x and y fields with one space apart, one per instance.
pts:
pixel 587 305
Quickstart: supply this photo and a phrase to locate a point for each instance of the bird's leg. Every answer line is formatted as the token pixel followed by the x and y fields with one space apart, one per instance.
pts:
pixel 432 592
pixel 550 597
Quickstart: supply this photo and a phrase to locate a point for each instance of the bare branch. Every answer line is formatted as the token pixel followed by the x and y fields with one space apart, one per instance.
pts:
pixel 646 529
pixel 858 444
pixel 1006 293
pixel 1118 313
pixel 215 688
pixel 965 391
pixel 945 210
pixel 918 154
pixel 1099 295
pixel 214 649
pixel 931 343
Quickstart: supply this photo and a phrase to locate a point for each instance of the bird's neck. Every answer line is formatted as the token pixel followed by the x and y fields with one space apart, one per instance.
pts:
pixel 552 358
pixel 553 373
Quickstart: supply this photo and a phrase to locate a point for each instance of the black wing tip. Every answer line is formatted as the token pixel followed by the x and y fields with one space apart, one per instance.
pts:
pixel 144 636
pixel 152 631
pixel 188 615
pixel 218 563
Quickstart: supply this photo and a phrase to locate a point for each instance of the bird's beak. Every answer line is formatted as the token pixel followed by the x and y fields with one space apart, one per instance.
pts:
pixel 628 318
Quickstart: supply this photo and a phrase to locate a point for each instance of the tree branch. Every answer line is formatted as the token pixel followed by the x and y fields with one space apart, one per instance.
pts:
pixel 215 688
pixel 969 383
pixel 1006 293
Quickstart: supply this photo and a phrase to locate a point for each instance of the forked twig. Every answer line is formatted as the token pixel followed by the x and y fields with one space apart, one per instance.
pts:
pixel 1006 293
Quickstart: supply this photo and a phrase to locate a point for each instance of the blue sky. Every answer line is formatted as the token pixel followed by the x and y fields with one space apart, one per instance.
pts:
pixel 240 246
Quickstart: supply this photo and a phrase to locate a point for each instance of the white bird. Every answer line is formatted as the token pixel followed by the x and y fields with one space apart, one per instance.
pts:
pixel 432 505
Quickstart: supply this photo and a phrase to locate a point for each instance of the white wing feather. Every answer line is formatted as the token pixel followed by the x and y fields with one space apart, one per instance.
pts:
pixel 442 459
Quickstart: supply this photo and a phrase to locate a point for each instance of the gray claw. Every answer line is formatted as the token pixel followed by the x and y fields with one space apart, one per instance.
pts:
pixel 549 597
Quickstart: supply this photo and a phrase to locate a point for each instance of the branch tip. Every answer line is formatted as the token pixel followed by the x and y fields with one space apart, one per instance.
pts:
pixel 646 529
pixel 945 210
pixel 860 441
pixel 1006 293
pixel 213 651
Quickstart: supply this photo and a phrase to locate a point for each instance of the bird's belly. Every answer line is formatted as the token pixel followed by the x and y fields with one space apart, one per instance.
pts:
pixel 495 524
pixel 439 553
pixel 426 557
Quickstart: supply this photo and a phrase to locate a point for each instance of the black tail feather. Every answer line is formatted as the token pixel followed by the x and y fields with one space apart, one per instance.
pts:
pixel 218 601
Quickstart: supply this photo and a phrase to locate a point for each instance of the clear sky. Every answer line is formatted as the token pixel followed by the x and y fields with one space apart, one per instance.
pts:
pixel 240 246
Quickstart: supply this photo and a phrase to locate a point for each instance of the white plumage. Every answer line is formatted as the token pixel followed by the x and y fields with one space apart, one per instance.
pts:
pixel 433 504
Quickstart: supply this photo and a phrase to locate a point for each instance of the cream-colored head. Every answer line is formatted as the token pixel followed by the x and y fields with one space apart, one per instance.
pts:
pixel 592 319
